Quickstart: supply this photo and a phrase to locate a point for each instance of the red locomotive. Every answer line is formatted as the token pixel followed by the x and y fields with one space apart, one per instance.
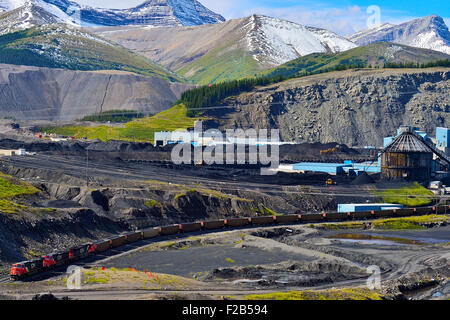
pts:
pixel 28 268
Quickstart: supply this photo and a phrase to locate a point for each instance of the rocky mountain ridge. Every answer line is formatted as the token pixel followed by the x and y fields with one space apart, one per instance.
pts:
pixel 150 13
pixel 357 107
pixel 428 33
pixel 234 49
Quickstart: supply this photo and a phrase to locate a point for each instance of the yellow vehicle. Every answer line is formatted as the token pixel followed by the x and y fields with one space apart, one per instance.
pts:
pixel 329 182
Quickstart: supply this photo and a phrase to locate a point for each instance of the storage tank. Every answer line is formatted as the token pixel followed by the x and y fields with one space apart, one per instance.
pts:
pixel 408 158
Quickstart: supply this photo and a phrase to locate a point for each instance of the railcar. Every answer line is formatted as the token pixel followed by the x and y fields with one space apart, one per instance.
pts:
pixel 386 213
pixel 191 227
pixel 334 216
pixel 317 217
pixel 292 218
pixel 102 246
pixel 133 236
pixel 169 230
pixel 27 268
pixel 150 233
pixel 262 220
pixel 118 241
pixel 213 225
pixel 237 222
pixel 361 215
pixel 404 212
pixel 422 211
pixel 443 209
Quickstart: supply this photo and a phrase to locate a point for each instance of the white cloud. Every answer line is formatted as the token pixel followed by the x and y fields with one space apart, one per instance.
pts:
pixel 342 20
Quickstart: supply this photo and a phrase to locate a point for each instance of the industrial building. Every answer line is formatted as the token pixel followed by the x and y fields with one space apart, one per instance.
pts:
pixel 366 207
pixel 408 158
pixel 330 168
pixel 440 142
pixel 443 140
pixel 412 155
pixel 348 167
pixel 211 137
pixel 12 152
pixel 164 138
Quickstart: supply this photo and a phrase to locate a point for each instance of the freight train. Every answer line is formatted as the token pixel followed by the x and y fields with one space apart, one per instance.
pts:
pixel 22 270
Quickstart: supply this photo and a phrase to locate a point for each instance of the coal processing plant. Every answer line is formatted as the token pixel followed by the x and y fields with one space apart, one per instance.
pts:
pixel 411 155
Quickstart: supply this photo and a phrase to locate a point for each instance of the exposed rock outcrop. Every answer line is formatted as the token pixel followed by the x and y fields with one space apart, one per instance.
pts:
pixel 32 93
pixel 356 108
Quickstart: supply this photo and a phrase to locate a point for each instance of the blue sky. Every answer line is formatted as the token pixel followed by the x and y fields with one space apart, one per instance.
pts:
pixel 343 17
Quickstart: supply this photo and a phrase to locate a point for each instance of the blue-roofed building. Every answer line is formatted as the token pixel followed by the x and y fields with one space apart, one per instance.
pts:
pixel 339 168
pixel 369 167
pixel 330 168
pixel 366 207
pixel 443 137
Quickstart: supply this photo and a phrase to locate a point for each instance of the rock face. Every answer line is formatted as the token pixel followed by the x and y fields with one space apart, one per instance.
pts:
pixel 151 12
pixel 32 93
pixel 427 33
pixel 357 108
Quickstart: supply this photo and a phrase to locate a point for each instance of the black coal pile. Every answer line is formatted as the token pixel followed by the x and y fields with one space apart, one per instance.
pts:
pixel 68 147
pixel 316 152
pixel 362 179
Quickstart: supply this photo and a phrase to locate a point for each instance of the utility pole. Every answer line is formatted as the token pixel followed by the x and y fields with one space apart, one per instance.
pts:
pixel 87 168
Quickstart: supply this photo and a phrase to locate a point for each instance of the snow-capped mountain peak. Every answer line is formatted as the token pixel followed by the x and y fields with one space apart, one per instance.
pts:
pixel 428 33
pixel 8 5
pixel 151 12
pixel 23 14
pixel 278 41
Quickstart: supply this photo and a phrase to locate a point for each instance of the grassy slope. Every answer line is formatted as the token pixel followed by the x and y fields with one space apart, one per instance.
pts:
pixel 411 196
pixel 11 190
pixel 376 54
pixel 60 47
pixel 222 64
pixel 407 223
pixel 333 294
pixel 136 130
pixel 132 278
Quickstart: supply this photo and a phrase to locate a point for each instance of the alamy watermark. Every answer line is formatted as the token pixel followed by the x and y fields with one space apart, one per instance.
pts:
pixel 76 278
pixel 374 19
pixel 236 146
pixel 374 280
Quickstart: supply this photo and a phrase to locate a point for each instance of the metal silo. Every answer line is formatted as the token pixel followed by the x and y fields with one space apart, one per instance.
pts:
pixel 407 157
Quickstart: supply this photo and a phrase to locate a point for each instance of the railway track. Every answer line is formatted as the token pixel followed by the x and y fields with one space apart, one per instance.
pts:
pixel 124 171
pixel 136 245
pixel 5 280
pixel 73 167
